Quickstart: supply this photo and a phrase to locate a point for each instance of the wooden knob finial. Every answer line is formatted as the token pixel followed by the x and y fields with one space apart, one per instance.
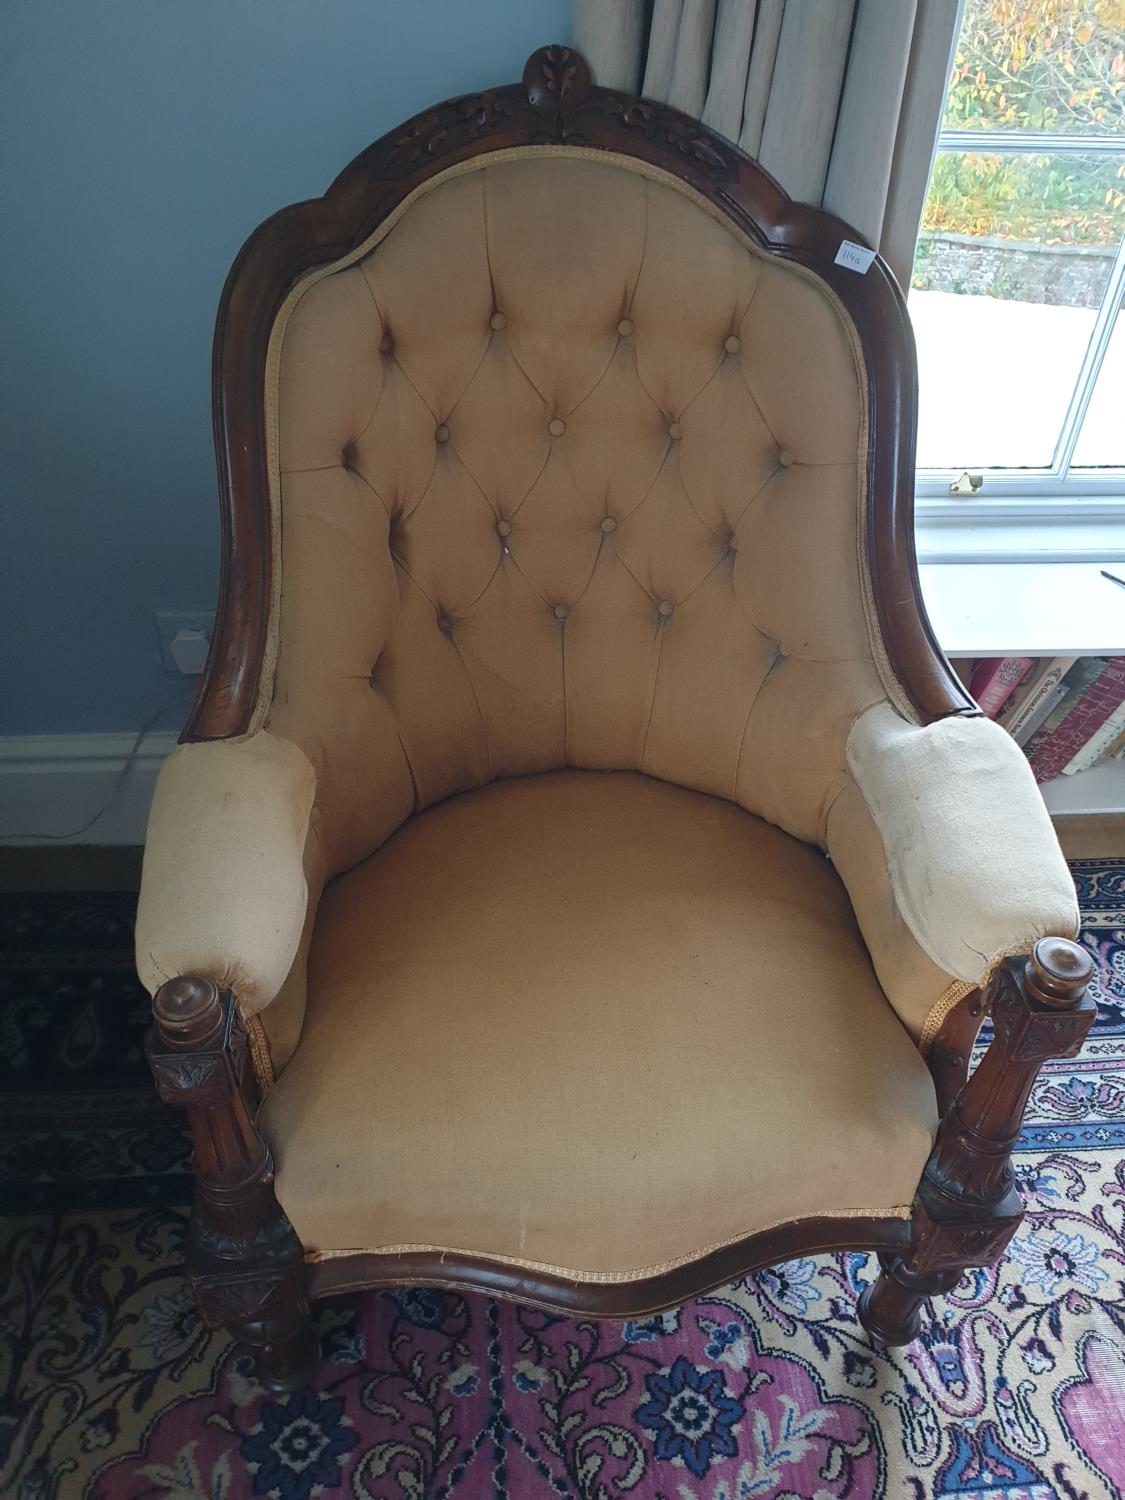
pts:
pixel 188 1011
pixel 1058 972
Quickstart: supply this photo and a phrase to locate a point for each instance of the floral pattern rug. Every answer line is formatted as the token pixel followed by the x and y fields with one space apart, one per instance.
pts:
pixel 766 1388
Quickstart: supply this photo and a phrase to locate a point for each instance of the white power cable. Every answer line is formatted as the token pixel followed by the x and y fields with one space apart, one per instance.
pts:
pixel 130 761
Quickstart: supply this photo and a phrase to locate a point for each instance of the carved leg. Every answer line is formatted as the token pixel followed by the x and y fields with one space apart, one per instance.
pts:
pixel 941 1251
pixel 968 1206
pixel 243 1258
pixel 891 1307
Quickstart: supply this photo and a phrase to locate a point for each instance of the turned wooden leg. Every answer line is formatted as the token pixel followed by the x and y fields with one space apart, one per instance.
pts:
pixel 891 1307
pixel 243 1258
pixel 968 1206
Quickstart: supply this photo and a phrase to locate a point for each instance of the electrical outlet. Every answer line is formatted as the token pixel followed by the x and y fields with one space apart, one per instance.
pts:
pixel 170 623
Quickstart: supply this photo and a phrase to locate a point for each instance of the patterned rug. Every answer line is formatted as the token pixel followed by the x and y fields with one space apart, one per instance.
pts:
pixel 768 1388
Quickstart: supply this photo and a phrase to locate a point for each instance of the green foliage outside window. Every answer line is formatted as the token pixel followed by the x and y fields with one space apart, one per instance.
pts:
pixel 1054 65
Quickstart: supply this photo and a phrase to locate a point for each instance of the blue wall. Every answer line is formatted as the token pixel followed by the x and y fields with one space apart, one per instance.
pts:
pixel 142 141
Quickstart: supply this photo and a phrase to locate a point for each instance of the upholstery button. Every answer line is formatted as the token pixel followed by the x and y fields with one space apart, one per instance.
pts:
pixel 608 525
pixel 675 431
pixel 386 343
pixel 504 528
pixel 498 321
pixel 441 433
pixel 347 457
pixel 556 427
pixel 445 624
pixel 785 458
pixel 664 609
pixel 561 611
pixel 625 327
pixel 733 344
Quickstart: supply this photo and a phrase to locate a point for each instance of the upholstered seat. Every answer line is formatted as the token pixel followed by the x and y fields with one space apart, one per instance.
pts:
pixel 595 1022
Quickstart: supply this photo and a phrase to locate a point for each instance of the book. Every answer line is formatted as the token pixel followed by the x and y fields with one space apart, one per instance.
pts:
pixel 1042 713
pixel 1020 715
pixel 1102 690
pixel 1071 685
pixel 1101 742
pixel 994 678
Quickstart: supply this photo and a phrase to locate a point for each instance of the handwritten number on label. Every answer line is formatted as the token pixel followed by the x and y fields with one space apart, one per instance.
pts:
pixel 855 257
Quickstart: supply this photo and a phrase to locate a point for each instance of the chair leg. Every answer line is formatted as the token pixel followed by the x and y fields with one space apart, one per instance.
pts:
pixel 265 1307
pixel 968 1207
pixel 244 1260
pixel 891 1307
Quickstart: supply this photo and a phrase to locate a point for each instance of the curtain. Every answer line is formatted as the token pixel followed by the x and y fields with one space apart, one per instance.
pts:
pixel 840 100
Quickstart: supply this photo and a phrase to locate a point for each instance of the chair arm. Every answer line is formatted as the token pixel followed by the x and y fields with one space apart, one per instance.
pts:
pixel 223 889
pixel 973 862
pixel 968 1206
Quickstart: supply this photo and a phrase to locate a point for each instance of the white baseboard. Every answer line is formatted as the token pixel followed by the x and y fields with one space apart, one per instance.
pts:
pixel 53 784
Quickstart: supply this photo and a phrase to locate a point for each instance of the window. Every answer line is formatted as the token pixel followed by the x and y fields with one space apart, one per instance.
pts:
pixel 1019 274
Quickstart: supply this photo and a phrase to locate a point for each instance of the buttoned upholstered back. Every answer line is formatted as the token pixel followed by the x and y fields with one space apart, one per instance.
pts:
pixel 569 473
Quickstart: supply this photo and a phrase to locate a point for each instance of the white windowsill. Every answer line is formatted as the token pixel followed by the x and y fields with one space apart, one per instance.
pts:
pixel 1014 576
pixel 972 540
pixel 1021 528
pixel 1025 608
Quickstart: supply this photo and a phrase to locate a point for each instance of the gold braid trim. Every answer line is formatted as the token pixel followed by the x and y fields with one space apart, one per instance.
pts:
pixel 641 1273
pixel 951 997
pixel 260 1053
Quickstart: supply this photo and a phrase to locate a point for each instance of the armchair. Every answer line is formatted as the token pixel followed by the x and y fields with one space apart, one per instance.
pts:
pixel 568 619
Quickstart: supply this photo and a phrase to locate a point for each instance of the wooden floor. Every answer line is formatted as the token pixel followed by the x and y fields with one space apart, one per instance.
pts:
pixel 1091 835
pixel 87 867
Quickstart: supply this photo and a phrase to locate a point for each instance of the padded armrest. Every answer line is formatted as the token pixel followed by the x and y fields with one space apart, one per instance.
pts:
pixel 223 891
pixel 974 865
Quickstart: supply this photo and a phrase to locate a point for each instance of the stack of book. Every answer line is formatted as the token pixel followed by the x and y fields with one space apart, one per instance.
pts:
pixel 1067 712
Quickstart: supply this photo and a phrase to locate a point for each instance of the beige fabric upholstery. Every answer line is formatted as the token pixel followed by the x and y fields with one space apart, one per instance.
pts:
pixel 224 890
pixel 592 1021
pixel 916 986
pixel 973 862
pixel 517 537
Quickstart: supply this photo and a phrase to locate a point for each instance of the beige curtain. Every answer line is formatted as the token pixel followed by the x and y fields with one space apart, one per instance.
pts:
pixel 839 99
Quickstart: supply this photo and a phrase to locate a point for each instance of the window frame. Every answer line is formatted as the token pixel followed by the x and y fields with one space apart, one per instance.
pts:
pixel 1067 499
